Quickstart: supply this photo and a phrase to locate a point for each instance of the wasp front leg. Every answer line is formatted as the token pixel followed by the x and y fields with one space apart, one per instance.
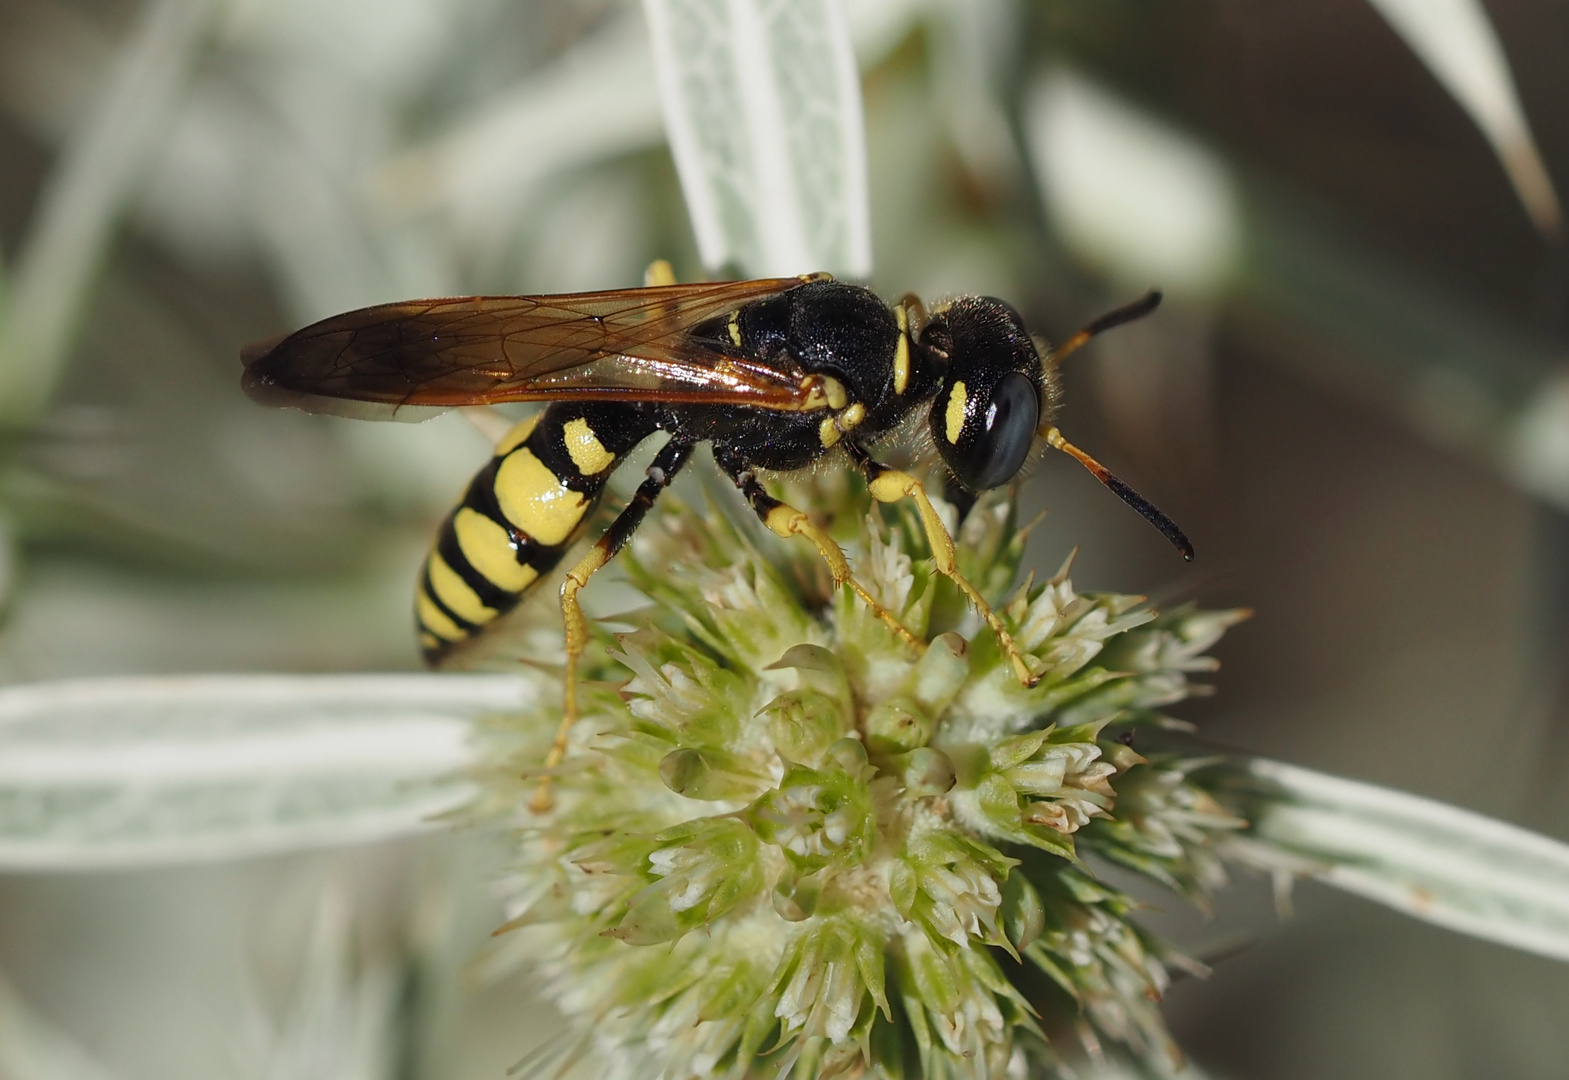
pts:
pixel 785 521
pixel 888 485
pixel 666 464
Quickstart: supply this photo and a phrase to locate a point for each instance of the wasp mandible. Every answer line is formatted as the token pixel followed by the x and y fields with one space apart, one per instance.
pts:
pixel 773 374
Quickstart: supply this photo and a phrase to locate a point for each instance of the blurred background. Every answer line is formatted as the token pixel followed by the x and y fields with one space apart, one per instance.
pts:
pixel 1355 401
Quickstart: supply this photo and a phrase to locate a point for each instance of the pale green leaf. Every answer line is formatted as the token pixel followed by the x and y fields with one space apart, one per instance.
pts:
pixel 1448 866
pixel 596 101
pixel 31 1048
pixel 762 106
pixel 1128 193
pixel 82 200
pixel 7 562
pixel 131 772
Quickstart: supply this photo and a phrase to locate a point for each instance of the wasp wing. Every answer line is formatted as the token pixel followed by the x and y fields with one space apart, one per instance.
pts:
pixel 622 345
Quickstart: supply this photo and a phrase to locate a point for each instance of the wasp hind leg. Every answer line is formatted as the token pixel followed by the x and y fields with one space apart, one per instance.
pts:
pixel 666 464
pixel 889 486
pixel 784 520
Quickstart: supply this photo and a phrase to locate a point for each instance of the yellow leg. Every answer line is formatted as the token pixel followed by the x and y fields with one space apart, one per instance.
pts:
pixel 577 642
pixel 786 521
pixel 666 465
pixel 891 485
pixel 659 272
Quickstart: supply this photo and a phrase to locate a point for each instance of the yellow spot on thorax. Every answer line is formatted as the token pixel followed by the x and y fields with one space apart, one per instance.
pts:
pixel 852 417
pixel 734 326
pixel 955 414
pixel 828 431
pixel 489 550
pixel 517 436
pixel 535 500
pixel 585 449
pixel 901 353
pixel 455 593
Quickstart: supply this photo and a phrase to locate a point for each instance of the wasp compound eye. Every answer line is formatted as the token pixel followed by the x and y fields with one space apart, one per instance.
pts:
pixel 985 437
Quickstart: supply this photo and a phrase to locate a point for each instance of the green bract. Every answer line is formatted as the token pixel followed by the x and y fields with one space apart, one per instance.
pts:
pixel 789 843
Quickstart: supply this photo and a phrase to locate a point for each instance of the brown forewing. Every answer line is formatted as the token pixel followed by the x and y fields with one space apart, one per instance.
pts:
pixel 623 345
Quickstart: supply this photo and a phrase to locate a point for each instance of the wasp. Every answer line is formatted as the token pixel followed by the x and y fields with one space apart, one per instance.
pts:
pixel 773 374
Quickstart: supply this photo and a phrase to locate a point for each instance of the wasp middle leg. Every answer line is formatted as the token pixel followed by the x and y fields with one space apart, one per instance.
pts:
pixel 889 485
pixel 785 521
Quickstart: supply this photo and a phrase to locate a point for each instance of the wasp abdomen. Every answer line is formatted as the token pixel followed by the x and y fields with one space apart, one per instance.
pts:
pixel 519 516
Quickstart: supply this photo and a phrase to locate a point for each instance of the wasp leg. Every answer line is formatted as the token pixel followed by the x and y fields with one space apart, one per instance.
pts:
pixel 490 422
pixel 659 272
pixel 784 520
pixel 666 464
pixel 889 486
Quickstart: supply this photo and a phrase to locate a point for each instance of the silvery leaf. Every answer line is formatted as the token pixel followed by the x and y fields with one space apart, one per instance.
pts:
pixel 762 106
pixel 1445 865
pixel 142 771
pixel 31 1048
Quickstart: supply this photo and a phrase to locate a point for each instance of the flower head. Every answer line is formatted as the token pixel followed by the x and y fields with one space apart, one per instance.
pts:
pixel 789 843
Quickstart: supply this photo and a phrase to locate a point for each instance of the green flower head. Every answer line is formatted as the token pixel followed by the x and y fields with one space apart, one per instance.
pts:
pixel 786 842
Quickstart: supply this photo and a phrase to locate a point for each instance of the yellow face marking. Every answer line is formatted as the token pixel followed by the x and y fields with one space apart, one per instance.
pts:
pixel 828 431
pixel 454 592
pixel 515 438
pixel 433 619
pixel 734 326
pixel 489 550
pixel 901 354
pixel 852 416
pixel 955 414
pixel 535 500
pixel 587 452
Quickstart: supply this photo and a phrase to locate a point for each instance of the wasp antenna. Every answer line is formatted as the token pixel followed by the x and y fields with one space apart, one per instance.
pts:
pixel 1146 509
pixel 1125 314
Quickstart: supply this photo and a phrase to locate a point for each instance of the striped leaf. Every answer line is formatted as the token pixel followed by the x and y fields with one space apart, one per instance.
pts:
pixel 142 771
pixel 1448 866
pixel 762 106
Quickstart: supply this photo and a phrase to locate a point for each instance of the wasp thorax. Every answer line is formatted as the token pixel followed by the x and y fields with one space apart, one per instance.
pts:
pixel 989 405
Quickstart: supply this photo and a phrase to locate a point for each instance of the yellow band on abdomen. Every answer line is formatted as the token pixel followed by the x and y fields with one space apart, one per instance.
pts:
pixel 434 620
pixel 456 594
pixel 535 500
pixel 514 438
pixel 489 550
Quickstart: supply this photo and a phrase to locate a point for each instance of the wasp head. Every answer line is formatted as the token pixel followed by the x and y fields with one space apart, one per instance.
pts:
pixel 992 394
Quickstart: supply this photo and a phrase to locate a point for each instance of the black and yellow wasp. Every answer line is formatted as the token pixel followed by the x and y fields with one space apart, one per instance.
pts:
pixel 773 374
